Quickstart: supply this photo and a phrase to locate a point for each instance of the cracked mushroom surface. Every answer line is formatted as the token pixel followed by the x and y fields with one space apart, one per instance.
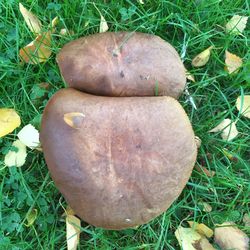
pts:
pixel 122 161
pixel 122 64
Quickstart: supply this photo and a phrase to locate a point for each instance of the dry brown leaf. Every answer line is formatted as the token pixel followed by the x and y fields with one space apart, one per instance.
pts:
pixel 189 239
pixel 73 226
pixel 31 20
pixel 202 58
pixel 38 50
pixel 203 244
pixel 227 128
pixel 201 228
pixel 243 105
pixel 232 62
pixel 228 236
pixel 236 24
pixel 205 206
pixel 9 120
pixel 246 220
pixel 207 172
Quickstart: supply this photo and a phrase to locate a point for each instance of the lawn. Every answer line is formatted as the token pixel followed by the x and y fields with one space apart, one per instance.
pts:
pixel 191 27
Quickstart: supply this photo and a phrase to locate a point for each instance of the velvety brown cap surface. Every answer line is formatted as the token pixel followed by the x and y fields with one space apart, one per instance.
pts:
pixel 126 162
pixel 122 64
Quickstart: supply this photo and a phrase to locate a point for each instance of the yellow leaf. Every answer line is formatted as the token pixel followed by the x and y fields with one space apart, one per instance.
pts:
pixel 9 120
pixel 202 58
pixel 228 236
pixel 73 225
pixel 38 50
pixel 189 239
pixel 189 76
pixel 243 105
pixel 68 211
pixel 233 62
pixel 74 119
pixel 16 158
pixel 54 22
pixel 31 217
pixel 103 25
pixel 31 20
pixel 202 229
pixel 205 206
pixel 29 136
pixel 227 128
pixel 236 24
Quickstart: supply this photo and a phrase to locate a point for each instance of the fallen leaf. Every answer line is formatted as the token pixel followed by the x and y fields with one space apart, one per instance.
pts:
pixel 197 141
pixel 74 119
pixel 202 58
pixel 103 25
pixel 208 173
pixel 205 206
pixel 203 244
pixel 9 120
pixel 73 225
pixel 189 76
pixel 68 211
pixel 229 155
pixel 246 220
pixel 189 239
pixel 243 105
pixel 29 136
pixel 232 62
pixel 31 20
pixel 236 24
pixel 54 22
pixel 65 32
pixel 227 128
pixel 228 236
pixel 31 217
pixel 38 50
pixel 201 228
pixel 16 158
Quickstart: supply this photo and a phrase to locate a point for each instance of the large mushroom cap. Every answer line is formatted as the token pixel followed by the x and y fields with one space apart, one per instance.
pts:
pixel 122 64
pixel 119 162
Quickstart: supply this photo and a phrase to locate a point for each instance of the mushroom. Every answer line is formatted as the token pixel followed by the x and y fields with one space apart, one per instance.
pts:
pixel 123 161
pixel 122 64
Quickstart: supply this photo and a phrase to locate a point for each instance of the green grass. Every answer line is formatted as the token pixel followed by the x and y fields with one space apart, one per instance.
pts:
pixel 191 27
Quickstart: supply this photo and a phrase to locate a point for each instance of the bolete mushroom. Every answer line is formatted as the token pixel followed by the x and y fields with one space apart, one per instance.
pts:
pixel 123 160
pixel 122 64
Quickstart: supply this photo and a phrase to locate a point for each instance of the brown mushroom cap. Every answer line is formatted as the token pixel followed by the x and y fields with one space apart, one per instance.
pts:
pixel 122 64
pixel 125 162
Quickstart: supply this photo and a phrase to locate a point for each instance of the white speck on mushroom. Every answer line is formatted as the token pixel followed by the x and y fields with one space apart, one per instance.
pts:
pixel 128 220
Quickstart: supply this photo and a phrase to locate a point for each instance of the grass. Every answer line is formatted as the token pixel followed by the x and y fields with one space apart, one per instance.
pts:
pixel 191 27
